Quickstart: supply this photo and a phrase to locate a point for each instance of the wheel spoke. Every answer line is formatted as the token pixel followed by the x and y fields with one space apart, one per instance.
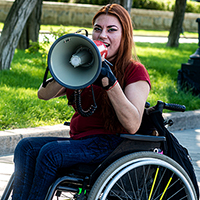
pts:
pixel 145 181
pixel 159 183
pixel 132 187
pixel 123 189
pixel 154 181
pixel 168 183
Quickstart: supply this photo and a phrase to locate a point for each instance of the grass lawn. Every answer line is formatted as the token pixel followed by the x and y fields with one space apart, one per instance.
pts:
pixel 21 108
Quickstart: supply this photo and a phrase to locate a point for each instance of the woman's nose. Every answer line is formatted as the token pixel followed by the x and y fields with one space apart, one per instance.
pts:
pixel 103 35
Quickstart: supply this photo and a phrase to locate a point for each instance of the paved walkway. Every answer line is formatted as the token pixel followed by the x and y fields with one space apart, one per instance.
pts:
pixel 137 38
pixel 154 39
pixel 6 169
pixel 189 138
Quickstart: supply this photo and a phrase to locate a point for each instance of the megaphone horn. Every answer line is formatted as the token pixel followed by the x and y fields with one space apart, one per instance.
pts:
pixel 74 60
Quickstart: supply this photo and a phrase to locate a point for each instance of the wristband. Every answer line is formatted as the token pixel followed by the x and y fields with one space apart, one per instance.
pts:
pixel 112 86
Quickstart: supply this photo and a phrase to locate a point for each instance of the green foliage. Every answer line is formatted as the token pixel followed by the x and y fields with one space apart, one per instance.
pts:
pixel 97 2
pixel 43 46
pixel 193 7
pixel 167 5
pixel 154 4
pixel 58 33
pixel 66 1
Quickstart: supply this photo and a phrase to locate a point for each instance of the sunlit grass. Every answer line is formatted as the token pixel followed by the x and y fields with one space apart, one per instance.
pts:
pixel 19 104
pixel 163 64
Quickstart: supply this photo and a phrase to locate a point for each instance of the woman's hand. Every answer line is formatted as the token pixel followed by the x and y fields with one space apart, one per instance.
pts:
pixel 52 90
pixel 106 78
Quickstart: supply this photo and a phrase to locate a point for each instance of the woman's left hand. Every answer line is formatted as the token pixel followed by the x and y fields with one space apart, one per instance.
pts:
pixel 106 78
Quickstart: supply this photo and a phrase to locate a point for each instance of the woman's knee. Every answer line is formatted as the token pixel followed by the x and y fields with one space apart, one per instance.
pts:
pixel 50 155
pixel 23 145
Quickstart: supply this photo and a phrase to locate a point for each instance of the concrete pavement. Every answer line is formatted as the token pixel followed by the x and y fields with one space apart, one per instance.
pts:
pixel 190 138
pixel 154 39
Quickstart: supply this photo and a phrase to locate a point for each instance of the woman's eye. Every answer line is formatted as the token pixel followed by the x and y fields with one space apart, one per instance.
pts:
pixel 97 29
pixel 112 29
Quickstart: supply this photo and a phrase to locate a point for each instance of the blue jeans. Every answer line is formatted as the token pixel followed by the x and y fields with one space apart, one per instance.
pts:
pixel 37 160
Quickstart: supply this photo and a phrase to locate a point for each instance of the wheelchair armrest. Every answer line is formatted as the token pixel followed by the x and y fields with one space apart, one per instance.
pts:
pixel 138 137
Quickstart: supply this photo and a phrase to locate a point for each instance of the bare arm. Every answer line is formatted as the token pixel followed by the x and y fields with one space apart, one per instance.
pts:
pixel 129 105
pixel 52 90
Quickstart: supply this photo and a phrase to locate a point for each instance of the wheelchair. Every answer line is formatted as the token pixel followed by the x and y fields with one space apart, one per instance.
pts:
pixel 136 170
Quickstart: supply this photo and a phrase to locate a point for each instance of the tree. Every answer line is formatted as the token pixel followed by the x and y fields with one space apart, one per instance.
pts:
pixel 12 30
pixel 177 23
pixel 32 27
pixel 127 4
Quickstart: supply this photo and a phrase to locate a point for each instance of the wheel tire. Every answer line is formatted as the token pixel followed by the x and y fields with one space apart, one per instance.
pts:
pixel 111 177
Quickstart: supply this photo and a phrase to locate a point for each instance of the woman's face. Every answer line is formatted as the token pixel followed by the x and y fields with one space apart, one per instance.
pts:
pixel 108 29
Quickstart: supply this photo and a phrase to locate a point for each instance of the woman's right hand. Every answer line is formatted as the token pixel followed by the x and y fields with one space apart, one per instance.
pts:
pixel 52 90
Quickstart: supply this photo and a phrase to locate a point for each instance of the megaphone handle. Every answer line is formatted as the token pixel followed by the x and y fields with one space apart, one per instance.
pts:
pixel 91 110
pixel 82 29
pixel 45 82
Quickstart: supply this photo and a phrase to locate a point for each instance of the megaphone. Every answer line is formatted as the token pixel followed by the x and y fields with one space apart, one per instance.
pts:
pixel 75 61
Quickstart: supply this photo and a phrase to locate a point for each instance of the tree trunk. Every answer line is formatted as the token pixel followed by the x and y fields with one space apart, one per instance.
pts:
pixel 127 4
pixel 12 30
pixel 32 27
pixel 177 23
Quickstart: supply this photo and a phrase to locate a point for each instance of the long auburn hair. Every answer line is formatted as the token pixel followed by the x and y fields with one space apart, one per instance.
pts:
pixel 122 60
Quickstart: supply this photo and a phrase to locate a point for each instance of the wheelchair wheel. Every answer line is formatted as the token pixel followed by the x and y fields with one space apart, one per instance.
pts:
pixel 143 176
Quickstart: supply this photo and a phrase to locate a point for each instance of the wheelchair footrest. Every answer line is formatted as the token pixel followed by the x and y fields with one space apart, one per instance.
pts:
pixel 67 189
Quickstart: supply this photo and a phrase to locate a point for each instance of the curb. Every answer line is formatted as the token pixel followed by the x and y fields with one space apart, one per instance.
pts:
pixel 183 120
pixel 10 138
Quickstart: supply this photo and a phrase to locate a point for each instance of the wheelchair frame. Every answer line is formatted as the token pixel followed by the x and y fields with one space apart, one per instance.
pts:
pixel 136 152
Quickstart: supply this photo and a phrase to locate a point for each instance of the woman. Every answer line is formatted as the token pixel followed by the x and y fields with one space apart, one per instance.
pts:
pixel 120 93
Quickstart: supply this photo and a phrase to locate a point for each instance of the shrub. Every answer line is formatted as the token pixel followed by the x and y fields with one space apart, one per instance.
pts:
pixel 193 7
pixel 152 4
pixel 66 1
pixel 97 2
pixel 167 5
